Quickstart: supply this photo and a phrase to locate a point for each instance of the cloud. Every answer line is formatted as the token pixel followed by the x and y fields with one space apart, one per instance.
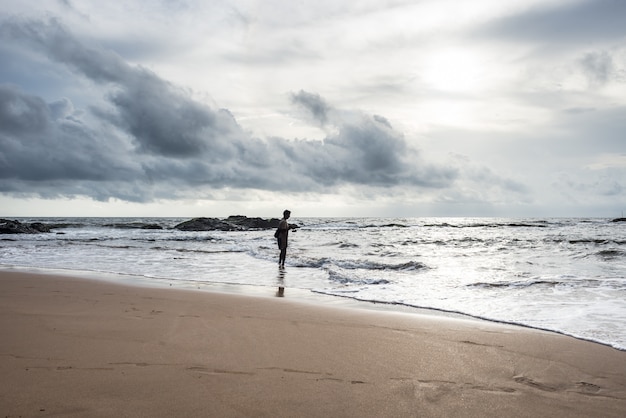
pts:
pixel 160 116
pixel 43 142
pixel 314 104
pixel 563 24
pixel 150 138
pixel 598 67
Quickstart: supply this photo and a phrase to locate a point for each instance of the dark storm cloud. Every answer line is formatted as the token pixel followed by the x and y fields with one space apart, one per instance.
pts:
pixel 586 21
pixel 362 149
pixel 46 142
pixel 160 116
pixel 152 139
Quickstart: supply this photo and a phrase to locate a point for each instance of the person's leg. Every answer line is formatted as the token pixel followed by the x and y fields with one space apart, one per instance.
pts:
pixel 283 256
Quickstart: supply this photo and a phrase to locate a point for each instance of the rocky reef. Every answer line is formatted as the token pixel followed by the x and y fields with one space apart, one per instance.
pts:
pixel 8 226
pixel 232 223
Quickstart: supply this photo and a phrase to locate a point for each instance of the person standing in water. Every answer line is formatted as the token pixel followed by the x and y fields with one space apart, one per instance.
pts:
pixel 283 232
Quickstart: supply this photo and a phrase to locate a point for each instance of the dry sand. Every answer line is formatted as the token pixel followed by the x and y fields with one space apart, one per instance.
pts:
pixel 85 348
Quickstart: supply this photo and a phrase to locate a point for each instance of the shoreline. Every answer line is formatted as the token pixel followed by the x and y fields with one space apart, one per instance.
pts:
pixel 297 295
pixel 305 296
pixel 77 347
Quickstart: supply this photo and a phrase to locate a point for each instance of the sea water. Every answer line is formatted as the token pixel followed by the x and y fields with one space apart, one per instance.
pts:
pixel 563 275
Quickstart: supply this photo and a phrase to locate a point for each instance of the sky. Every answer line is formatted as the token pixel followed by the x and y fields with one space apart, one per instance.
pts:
pixel 329 108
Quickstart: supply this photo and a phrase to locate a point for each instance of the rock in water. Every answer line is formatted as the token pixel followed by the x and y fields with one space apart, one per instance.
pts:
pixel 8 226
pixel 232 223
pixel 206 224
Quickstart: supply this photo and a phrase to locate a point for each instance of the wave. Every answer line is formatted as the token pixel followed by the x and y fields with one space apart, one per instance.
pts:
pixel 596 241
pixel 328 262
pixel 532 224
pixel 356 225
pixel 192 238
pixel 134 225
pixel 353 295
pixel 610 254
pixel 186 250
pixel 373 265
pixel 551 283
pixel 346 279
pixel 516 284
pixel 391 225
pixel 588 241
pixel 341 244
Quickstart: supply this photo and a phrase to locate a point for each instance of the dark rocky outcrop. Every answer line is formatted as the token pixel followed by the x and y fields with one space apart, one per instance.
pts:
pixel 619 220
pixel 253 223
pixel 8 226
pixel 232 223
pixel 205 224
pixel 151 226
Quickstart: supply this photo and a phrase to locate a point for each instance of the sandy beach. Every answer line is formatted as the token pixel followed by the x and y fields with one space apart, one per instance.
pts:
pixel 88 348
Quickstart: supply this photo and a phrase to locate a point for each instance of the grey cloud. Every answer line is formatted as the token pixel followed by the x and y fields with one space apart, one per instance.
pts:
pixel 21 114
pixel 373 152
pixel 363 149
pixel 62 108
pixel 54 40
pixel 592 132
pixel 579 110
pixel 313 104
pixel 153 140
pixel 161 117
pixel 598 67
pixel 485 180
pixel 39 145
pixel 605 183
pixel 566 24
pixel 486 177
pixel 383 120
pixel 165 122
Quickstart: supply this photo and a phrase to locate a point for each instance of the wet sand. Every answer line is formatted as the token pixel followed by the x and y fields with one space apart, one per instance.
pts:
pixel 87 348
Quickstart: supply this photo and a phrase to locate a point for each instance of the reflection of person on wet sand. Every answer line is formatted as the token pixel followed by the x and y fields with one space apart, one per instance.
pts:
pixel 281 283
pixel 283 232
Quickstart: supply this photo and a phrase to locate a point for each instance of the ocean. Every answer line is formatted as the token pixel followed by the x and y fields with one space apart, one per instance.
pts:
pixel 558 274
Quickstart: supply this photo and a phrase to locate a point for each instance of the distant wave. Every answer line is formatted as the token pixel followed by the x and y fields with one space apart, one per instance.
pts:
pixel 534 224
pixel 391 225
pixel 584 241
pixel 134 225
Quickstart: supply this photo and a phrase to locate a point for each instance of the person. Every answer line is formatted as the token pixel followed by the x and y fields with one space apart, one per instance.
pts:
pixel 283 232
